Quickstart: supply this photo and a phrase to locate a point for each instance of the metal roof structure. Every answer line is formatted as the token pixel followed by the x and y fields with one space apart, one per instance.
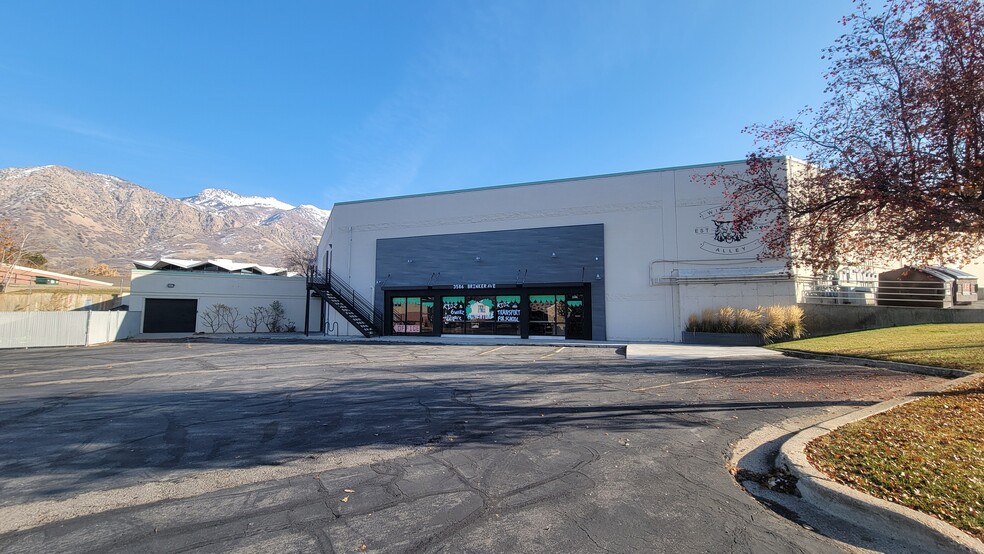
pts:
pixel 218 265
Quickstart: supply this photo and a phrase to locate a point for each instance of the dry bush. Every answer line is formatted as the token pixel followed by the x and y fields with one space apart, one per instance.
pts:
pixel 706 322
pixel 256 316
pixel 102 270
pixel 773 322
pixel 782 322
pixel 711 321
pixel 213 317
pixel 693 322
pixel 726 319
pixel 748 321
pixel 230 318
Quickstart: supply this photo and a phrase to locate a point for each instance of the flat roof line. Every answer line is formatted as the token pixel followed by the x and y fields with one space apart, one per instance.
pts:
pixel 548 181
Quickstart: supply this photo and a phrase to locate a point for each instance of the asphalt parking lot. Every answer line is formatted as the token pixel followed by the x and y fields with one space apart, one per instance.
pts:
pixel 167 447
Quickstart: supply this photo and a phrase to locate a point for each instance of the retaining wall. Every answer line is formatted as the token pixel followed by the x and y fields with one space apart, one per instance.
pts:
pixel 827 319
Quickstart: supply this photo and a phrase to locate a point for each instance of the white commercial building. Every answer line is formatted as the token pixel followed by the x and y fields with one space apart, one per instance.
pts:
pixel 626 256
pixel 215 296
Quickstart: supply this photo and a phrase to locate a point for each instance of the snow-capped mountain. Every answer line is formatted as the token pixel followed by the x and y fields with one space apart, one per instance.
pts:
pixel 260 210
pixel 221 199
pixel 314 213
pixel 78 219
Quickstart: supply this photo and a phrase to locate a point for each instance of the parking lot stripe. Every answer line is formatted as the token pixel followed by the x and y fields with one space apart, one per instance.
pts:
pixel 490 351
pixel 550 354
pixel 687 382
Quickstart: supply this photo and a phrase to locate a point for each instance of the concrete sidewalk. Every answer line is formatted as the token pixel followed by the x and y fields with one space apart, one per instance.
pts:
pixel 672 352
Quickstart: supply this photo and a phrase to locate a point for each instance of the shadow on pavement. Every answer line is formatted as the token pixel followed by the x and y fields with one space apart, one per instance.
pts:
pixel 68 443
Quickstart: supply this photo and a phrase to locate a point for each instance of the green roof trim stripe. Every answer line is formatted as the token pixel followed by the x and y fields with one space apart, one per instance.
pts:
pixel 548 181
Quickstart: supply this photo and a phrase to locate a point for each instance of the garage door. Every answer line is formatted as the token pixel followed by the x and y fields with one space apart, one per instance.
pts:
pixel 168 315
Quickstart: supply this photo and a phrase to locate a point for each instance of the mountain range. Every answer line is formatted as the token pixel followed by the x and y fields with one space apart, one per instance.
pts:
pixel 77 219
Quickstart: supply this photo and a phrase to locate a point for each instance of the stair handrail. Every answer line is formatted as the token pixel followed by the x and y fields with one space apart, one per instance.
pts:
pixel 362 306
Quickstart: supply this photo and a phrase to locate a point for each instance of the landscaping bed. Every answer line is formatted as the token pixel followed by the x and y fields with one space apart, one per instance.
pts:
pixel 952 345
pixel 927 455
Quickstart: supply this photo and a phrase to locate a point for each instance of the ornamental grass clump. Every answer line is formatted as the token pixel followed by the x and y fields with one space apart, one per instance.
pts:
pixel 772 323
pixel 748 321
pixel 706 322
pixel 781 322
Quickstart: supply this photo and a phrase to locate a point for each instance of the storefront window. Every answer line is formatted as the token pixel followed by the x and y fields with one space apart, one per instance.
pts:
pixel 514 312
pixel 454 314
pixel 507 314
pixel 411 315
pixel 480 313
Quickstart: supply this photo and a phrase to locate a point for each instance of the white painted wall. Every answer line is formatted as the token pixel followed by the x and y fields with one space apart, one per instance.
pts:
pixel 655 222
pixel 239 291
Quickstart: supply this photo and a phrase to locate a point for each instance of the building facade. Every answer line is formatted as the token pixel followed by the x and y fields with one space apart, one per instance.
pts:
pixel 182 301
pixel 626 256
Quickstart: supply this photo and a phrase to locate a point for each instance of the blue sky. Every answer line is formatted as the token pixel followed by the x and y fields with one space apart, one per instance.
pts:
pixel 318 102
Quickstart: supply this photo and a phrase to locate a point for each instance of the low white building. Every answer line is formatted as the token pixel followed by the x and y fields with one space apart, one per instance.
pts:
pixel 184 296
pixel 626 256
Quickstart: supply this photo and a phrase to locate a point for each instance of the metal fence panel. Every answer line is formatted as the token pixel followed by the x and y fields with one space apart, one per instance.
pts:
pixel 35 329
pixel 913 294
pixel 112 326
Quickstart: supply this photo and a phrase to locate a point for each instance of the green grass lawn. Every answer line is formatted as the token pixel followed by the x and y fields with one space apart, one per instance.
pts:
pixel 952 345
pixel 926 455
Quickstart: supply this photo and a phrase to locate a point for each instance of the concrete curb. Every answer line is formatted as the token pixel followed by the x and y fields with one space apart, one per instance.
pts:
pixel 847 503
pixel 884 364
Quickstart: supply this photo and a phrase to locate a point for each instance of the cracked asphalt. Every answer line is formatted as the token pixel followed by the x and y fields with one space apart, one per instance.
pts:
pixel 203 447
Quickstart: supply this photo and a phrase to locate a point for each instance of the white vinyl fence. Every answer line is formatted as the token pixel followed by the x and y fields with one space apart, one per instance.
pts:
pixel 34 329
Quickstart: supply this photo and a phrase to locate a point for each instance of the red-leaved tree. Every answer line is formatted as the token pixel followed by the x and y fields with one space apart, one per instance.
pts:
pixel 894 157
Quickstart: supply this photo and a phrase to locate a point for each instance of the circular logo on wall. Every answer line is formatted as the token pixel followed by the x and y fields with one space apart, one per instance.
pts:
pixel 721 235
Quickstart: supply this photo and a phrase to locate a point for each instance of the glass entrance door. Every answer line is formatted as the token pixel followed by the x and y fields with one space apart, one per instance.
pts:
pixel 548 315
pixel 575 317
pixel 557 315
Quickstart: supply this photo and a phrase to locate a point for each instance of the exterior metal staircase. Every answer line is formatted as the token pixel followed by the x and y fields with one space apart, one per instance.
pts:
pixel 343 298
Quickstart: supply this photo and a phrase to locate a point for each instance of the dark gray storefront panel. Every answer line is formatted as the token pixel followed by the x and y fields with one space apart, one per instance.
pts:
pixel 529 257
pixel 170 315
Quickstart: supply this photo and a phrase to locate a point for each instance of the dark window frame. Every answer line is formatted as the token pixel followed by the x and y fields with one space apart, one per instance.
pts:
pixel 439 293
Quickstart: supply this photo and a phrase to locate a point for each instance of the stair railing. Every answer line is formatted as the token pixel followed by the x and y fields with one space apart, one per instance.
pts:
pixel 365 309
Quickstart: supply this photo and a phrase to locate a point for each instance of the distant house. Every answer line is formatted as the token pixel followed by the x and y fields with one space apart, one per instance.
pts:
pixel 21 276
